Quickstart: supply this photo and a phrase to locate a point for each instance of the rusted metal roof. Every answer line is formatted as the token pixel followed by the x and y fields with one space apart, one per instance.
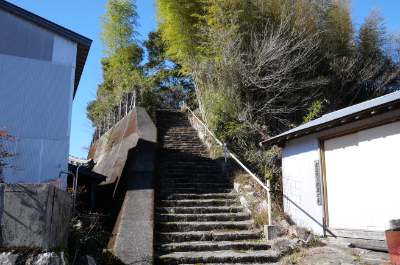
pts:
pixel 83 42
pixel 347 115
pixel 112 151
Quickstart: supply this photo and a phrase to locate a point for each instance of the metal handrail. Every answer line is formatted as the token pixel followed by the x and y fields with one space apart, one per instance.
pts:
pixel 267 188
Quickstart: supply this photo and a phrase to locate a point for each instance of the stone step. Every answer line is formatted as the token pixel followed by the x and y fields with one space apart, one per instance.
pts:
pixel 188 132
pixel 184 133
pixel 214 246
pixel 180 174
pixel 183 157
pixel 181 130
pixel 215 235
pixel 201 168
pixel 201 226
pixel 197 179
pixel 194 185
pixel 181 148
pixel 181 142
pixel 196 203
pixel 177 153
pixel 205 163
pixel 193 190
pixel 189 147
pixel 240 263
pixel 175 126
pixel 188 196
pixel 202 217
pixel 226 256
pixel 213 209
pixel 194 171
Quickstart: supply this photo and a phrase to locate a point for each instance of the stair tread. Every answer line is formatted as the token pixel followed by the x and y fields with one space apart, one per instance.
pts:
pixel 204 214
pixel 223 255
pixel 192 195
pixel 214 223
pixel 214 246
pixel 209 209
pixel 215 232
pixel 236 242
pixel 205 195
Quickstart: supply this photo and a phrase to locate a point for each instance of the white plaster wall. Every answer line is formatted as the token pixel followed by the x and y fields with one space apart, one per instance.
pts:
pixel 363 176
pixel 298 174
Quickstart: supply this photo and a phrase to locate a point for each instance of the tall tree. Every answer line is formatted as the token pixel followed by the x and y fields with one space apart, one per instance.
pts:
pixel 118 38
pixel 171 85
pixel 274 62
pixel 120 65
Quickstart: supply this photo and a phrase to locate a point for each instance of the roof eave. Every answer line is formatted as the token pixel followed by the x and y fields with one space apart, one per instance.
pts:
pixel 364 114
pixel 83 42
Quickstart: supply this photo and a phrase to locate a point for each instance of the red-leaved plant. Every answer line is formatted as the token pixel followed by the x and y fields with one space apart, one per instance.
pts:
pixel 5 136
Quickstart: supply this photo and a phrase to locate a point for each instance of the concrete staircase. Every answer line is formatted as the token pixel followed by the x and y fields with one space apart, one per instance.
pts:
pixel 198 219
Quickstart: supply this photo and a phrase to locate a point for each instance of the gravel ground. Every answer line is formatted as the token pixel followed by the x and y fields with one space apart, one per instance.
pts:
pixel 336 252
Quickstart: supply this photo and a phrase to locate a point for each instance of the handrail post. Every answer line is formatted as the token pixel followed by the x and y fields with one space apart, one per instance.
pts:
pixel 226 159
pixel 225 162
pixel 269 202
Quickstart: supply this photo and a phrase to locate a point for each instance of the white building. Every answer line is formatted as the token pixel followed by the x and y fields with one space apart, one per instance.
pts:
pixel 40 67
pixel 341 172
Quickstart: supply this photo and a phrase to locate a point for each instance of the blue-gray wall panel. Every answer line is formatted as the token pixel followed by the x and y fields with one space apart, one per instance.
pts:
pixel 36 97
pixel 28 161
pixel 38 160
pixel 24 39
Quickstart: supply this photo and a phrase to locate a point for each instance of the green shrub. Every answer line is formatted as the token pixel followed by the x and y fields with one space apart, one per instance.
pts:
pixel 89 239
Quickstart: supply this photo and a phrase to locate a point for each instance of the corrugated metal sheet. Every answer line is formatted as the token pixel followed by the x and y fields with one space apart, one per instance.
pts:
pixel 45 23
pixel 64 51
pixel 41 25
pixel 38 97
pixel 36 103
pixel 393 97
pixel 39 160
pixel 24 39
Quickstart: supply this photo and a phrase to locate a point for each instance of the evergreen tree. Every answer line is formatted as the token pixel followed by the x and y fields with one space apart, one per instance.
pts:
pixel 171 86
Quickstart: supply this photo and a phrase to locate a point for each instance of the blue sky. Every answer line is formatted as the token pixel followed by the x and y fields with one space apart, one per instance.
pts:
pixel 82 17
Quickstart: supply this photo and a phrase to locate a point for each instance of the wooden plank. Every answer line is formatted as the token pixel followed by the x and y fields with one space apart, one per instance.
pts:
pixel 353 233
pixel 321 148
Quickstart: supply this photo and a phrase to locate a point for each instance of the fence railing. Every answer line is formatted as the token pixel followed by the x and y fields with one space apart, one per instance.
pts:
pixel 227 152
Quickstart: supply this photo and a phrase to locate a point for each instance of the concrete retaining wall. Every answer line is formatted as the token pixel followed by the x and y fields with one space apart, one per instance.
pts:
pixel 126 154
pixel 34 215
pixel 135 237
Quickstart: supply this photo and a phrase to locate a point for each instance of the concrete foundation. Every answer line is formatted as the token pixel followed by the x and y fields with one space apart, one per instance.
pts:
pixel 34 215
pixel 270 232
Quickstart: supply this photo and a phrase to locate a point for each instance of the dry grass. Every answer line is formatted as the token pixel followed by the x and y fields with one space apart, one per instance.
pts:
pixel 296 258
